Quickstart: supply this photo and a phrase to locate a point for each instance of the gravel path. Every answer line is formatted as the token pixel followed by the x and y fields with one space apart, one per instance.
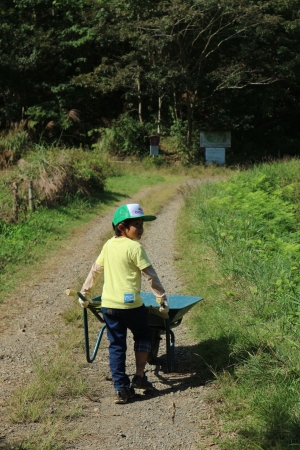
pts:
pixel 174 418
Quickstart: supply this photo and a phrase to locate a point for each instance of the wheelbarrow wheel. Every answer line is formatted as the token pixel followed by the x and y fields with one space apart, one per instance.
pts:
pixel 155 340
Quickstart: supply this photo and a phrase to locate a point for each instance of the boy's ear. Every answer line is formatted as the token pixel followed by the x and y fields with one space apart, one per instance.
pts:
pixel 121 227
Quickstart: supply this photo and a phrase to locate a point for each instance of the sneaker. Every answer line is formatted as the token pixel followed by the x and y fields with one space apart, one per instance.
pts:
pixel 124 395
pixel 141 383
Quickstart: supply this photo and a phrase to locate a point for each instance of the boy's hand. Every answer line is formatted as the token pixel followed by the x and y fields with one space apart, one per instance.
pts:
pixel 84 304
pixel 164 305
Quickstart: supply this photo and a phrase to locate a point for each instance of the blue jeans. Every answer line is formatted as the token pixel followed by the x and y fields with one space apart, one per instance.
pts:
pixel 117 322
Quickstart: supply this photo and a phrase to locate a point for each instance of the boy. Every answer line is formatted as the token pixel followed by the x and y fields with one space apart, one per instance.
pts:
pixel 123 259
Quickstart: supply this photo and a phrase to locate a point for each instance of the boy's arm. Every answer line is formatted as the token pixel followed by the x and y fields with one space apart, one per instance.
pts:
pixel 91 279
pixel 156 288
pixel 154 281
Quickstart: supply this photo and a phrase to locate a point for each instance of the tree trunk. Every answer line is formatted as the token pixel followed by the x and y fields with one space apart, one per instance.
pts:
pixel 140 100
pixel 190 119
pixel 175 105
pixel 159 114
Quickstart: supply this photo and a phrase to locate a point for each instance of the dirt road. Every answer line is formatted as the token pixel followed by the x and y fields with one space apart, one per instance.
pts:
pixel 176 417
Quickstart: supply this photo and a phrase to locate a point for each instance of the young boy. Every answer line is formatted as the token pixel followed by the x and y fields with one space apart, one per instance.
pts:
pixel 123 259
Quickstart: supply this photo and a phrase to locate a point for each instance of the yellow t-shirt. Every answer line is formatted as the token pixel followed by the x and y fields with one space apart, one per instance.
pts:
pixel 122 259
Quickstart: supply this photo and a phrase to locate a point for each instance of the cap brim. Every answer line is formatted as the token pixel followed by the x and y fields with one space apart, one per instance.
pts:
pixel 149 218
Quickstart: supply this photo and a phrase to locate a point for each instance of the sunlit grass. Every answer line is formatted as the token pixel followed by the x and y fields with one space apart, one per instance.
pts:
pixel 248 324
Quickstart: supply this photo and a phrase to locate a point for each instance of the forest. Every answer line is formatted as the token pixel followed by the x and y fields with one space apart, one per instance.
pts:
pixel 76 72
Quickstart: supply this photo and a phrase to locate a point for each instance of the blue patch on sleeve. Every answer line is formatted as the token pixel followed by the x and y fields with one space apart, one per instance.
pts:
pixel 128 298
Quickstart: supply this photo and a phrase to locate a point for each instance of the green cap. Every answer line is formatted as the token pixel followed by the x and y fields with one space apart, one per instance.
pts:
pixel 130 211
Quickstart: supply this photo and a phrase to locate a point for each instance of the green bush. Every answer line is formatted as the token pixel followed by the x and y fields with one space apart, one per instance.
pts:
pixel 176 143
pixel 126 137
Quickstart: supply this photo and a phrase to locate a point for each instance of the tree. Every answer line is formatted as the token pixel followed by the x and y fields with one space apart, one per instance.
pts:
pixel 200 47
pixel 43 45
pixel 210 63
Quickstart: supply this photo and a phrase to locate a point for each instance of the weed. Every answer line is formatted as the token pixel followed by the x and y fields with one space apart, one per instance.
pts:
pixel 54 378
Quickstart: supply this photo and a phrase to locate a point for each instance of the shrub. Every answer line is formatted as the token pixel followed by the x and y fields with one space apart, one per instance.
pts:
pixel 127 137
pixel 176 143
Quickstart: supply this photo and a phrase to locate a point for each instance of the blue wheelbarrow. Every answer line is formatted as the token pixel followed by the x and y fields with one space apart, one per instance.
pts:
pixel 179 305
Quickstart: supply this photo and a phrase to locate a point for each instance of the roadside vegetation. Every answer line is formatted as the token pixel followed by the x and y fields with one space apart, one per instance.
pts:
pixel 240 251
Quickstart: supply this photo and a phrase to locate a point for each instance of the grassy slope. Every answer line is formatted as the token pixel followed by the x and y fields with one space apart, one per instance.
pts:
pixel 240 252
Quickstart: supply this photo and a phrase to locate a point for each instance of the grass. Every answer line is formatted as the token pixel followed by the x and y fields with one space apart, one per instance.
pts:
pixel 240 252
pixel 55 381
pixel 52 397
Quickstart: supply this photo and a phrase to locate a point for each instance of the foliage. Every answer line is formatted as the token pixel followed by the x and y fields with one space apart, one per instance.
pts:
pixel 256 217
pixel 12 145
pixel 241 252
pixel 176 143
pixel 126 137
pixel 51 39
pixel 70 68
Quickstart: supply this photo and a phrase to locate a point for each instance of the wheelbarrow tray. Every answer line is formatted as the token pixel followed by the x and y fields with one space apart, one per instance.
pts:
pixel 179 305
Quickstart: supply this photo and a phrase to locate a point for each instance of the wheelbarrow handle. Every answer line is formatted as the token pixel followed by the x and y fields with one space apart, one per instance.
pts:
pixel 91 306
pixel 73 293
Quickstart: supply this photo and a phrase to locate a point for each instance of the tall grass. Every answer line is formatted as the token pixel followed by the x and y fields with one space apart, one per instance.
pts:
pixel 57 176
pixel 241 252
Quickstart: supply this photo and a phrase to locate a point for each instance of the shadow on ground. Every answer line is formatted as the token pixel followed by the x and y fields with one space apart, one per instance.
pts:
pixel 195 365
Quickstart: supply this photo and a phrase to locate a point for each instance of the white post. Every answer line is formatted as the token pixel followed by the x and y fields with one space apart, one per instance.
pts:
pixel 30 196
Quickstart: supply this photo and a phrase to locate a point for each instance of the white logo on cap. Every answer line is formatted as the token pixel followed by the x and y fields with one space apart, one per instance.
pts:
pixel 135 210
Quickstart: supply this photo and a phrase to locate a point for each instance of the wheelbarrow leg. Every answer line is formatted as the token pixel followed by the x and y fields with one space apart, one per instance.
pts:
pixel 170 344
pixel 89 358
pixel 172 350
pixel 155 341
